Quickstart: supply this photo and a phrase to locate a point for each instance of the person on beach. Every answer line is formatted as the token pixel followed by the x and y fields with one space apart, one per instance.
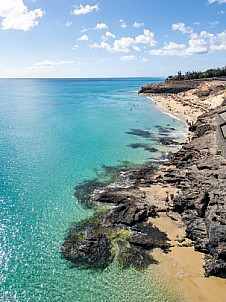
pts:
pixel 171 196
pixel 167 211
pixel 167 200
pixel 153 211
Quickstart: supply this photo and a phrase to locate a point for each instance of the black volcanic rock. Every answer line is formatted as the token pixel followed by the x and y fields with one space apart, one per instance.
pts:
pixel 128 213
pixel 91 250
pixel 201 175
pixel 149 237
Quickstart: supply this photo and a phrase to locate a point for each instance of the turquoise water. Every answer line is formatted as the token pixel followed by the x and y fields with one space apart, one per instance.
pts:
pixel 54 134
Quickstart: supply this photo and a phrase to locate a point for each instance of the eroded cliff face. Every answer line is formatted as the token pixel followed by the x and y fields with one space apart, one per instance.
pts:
pixel 171 87
pixel 200 87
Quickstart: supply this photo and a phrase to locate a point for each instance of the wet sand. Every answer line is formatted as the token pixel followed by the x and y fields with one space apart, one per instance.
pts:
pixel 183 266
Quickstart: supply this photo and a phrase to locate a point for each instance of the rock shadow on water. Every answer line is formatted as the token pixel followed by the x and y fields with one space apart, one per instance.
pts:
pixel 140 133
pixel 144 146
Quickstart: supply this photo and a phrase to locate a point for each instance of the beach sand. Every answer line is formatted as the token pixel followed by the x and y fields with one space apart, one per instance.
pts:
pixel 182 267
pixel 188 105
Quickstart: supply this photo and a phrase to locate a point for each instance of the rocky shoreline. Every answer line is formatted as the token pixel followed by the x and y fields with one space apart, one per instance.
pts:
pixel 121 227
pixel 200 174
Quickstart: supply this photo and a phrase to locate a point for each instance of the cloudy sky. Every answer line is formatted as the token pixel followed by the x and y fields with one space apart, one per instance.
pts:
pixel 110 38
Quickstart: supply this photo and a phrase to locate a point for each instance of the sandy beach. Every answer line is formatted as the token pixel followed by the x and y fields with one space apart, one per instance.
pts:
pixel 189 105
pixel 183 266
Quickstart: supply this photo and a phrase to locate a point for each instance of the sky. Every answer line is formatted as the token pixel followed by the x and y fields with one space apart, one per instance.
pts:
pixel 110 38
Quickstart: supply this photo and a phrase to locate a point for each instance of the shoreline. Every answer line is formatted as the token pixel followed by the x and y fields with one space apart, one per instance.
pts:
pixel 166 111
pixel 183 265
pixel 126 232
pixel 163 109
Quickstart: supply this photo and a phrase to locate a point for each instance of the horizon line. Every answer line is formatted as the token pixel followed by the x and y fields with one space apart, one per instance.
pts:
pixel 73 78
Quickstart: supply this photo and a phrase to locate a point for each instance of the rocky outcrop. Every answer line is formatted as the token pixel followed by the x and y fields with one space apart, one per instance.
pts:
pixel 200 174
pixel 89 250
pixel 171 86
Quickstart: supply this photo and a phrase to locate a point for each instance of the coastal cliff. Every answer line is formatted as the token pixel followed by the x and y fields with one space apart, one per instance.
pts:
pixel 125 229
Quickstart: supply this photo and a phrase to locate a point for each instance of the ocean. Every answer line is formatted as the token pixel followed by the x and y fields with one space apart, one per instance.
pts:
pixel 54 135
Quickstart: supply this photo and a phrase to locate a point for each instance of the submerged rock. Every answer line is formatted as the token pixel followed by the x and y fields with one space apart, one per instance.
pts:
pixel 91 250
pixel 139 132
pixel 138 258
pixel 144 146
pixel 167 141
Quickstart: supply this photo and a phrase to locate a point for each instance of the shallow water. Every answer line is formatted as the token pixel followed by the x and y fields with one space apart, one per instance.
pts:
pixel 55 133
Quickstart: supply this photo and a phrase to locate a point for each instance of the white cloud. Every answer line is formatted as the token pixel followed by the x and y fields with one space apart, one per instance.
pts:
pixel 125 45
pixel 197 23
pixel 219 1
pixel 83 10
pixel 128 44
pixel 143 60
pixel 123 24
pixel 146 38
pixel 221 12
pixel 16 15
pixel 127 58
pixel 213 24
pixel 181 27
pixel 83 38
pixel 109 34
pixel 101 45
pixel 219 42
pixel 75 47
pixel 170 49
pixel 47 64
pixel 101 26
pixel 68 24
pixel 203 43
pixel 104 38
pixel 137 24
pixel 197 46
